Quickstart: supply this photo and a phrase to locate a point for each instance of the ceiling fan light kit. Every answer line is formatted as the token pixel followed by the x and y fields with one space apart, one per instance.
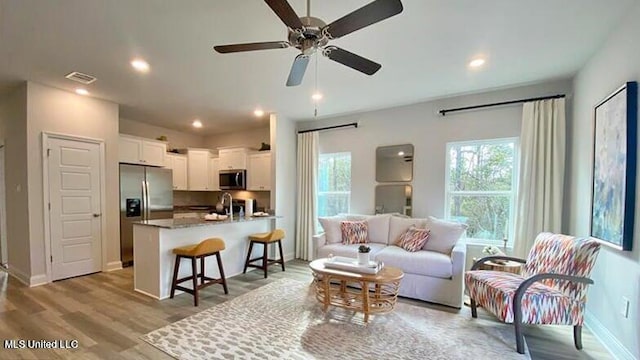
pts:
pixel 308 34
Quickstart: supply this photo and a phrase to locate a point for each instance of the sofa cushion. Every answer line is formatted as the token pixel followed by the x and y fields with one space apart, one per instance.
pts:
pixel 428 263
pixel 399 225
pixel 413 239
pixel 354 217
pixel 347 250
pixel 331 227
pixel 444 235
pixel 354 232
pixel 378 228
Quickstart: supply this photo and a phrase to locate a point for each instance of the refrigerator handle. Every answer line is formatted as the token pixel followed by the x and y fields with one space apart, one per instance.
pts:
pixel 148 206
pixel 144 200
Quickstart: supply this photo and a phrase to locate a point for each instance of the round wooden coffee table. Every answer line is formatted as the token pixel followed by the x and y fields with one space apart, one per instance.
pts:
pixel 367 293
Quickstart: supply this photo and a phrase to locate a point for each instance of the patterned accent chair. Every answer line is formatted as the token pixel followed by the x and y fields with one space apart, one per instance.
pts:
pixel 551 290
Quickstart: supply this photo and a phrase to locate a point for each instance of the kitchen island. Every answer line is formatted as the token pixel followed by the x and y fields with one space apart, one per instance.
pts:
pixel 154 240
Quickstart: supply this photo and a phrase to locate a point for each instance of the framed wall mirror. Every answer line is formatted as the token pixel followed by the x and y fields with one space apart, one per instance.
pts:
pixel 394 163
pixel 393 199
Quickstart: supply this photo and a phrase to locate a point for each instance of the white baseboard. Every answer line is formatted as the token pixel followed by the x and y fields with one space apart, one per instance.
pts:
pixel 30 281
pixel 19 275
pixel 153 296
pixel 606 338
pixel 38 280
pixel 114 265
pixel 289 256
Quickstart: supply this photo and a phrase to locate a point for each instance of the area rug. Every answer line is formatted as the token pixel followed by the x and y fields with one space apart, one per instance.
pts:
pixel 283 320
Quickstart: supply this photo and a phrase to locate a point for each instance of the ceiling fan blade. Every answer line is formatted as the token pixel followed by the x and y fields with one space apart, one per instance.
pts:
pixel 286 13
pixel 297 70
pixel 224 49
pixel 351 60
pixel 367 15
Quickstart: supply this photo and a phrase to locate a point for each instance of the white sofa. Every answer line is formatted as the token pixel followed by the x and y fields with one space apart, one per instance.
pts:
pixel 433 274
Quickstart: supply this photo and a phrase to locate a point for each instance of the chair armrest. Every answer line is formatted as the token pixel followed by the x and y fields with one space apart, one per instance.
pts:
pixel 522 289
pixel 458 257
pixel 319 240
pixel 496 257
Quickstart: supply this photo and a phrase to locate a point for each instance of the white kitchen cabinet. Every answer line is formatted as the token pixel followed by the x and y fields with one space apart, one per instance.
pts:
pixel 129 150
pixel 198 169
pixel 139 151
pixel 178 163
pixel 214 173
pixel 259 172
pixel 233 158
pixel 153 153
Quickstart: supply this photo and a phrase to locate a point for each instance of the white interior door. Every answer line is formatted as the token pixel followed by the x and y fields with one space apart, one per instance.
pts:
pixel 75 203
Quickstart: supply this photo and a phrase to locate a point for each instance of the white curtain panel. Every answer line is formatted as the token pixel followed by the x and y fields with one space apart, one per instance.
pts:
pixel 541 181
pixel 306 210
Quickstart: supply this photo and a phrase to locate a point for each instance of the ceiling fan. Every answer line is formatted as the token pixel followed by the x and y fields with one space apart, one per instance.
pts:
pixel 308 34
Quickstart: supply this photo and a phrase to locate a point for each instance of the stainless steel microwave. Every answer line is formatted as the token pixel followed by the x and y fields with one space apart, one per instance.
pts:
pixel 233 179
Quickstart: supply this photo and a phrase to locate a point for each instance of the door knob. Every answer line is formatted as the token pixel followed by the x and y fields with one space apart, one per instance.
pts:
pixel 96 215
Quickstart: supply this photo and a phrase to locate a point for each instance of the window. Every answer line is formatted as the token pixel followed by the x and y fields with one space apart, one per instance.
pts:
pixel 481 188
pixel 334 183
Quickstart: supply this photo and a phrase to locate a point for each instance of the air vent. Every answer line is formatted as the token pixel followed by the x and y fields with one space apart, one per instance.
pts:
pixel 80 77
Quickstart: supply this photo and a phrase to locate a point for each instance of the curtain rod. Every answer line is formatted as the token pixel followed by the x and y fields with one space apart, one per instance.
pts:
pixel 445 111
pixel 329 128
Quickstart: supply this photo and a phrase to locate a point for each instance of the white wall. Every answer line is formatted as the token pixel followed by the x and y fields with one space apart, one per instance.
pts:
pixel 13 120
pixel 53 110
pixel 616 273
pixel 176 139
pixel 429 132
pixel 251 138
pixel 283 166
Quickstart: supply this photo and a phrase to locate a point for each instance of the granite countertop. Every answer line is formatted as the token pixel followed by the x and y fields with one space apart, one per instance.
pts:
pixel 193 222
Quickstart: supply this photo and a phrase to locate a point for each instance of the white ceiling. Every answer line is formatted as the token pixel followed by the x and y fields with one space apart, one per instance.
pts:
pixel 424 52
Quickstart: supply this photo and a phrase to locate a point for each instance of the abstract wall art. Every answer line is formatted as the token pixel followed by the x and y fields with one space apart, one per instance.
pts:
pixel 614 167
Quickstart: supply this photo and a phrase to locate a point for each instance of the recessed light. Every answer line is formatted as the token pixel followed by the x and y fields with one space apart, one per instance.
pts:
pixel 140 65
pixel 477 62
pixel 316 96
pixel 401 153
pixel 197 123
pixel 81 91
pixel 258 112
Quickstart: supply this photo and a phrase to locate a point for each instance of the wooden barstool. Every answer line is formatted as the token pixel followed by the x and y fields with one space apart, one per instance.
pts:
pixel 265 239
pixel 200 251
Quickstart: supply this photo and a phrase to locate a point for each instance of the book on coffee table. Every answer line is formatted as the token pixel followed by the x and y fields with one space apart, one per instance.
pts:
pixel 351 264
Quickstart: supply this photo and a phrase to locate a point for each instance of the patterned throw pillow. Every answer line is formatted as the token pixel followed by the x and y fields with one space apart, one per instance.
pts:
pixel 354 232
pixel 413 239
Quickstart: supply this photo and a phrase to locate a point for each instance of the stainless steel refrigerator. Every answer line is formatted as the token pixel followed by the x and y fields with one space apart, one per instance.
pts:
pixel 146 193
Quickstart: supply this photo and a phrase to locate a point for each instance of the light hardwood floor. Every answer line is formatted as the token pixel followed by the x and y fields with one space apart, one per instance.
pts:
pixel 107 317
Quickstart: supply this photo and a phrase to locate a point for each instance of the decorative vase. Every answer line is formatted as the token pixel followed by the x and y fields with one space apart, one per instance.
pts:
pixel 363 259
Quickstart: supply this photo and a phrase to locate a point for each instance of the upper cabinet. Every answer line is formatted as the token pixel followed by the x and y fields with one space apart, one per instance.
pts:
pixel 214 174
pixel 178 163
pixel 233 158
pixel 135 150
pixel 198 169
pixel 259 172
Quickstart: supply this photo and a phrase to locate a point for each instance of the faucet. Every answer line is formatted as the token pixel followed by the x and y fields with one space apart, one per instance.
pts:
pixel 230 204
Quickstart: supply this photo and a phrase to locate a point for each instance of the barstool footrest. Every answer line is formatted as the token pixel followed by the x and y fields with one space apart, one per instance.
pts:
pixel 270 261
pixel 211 281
